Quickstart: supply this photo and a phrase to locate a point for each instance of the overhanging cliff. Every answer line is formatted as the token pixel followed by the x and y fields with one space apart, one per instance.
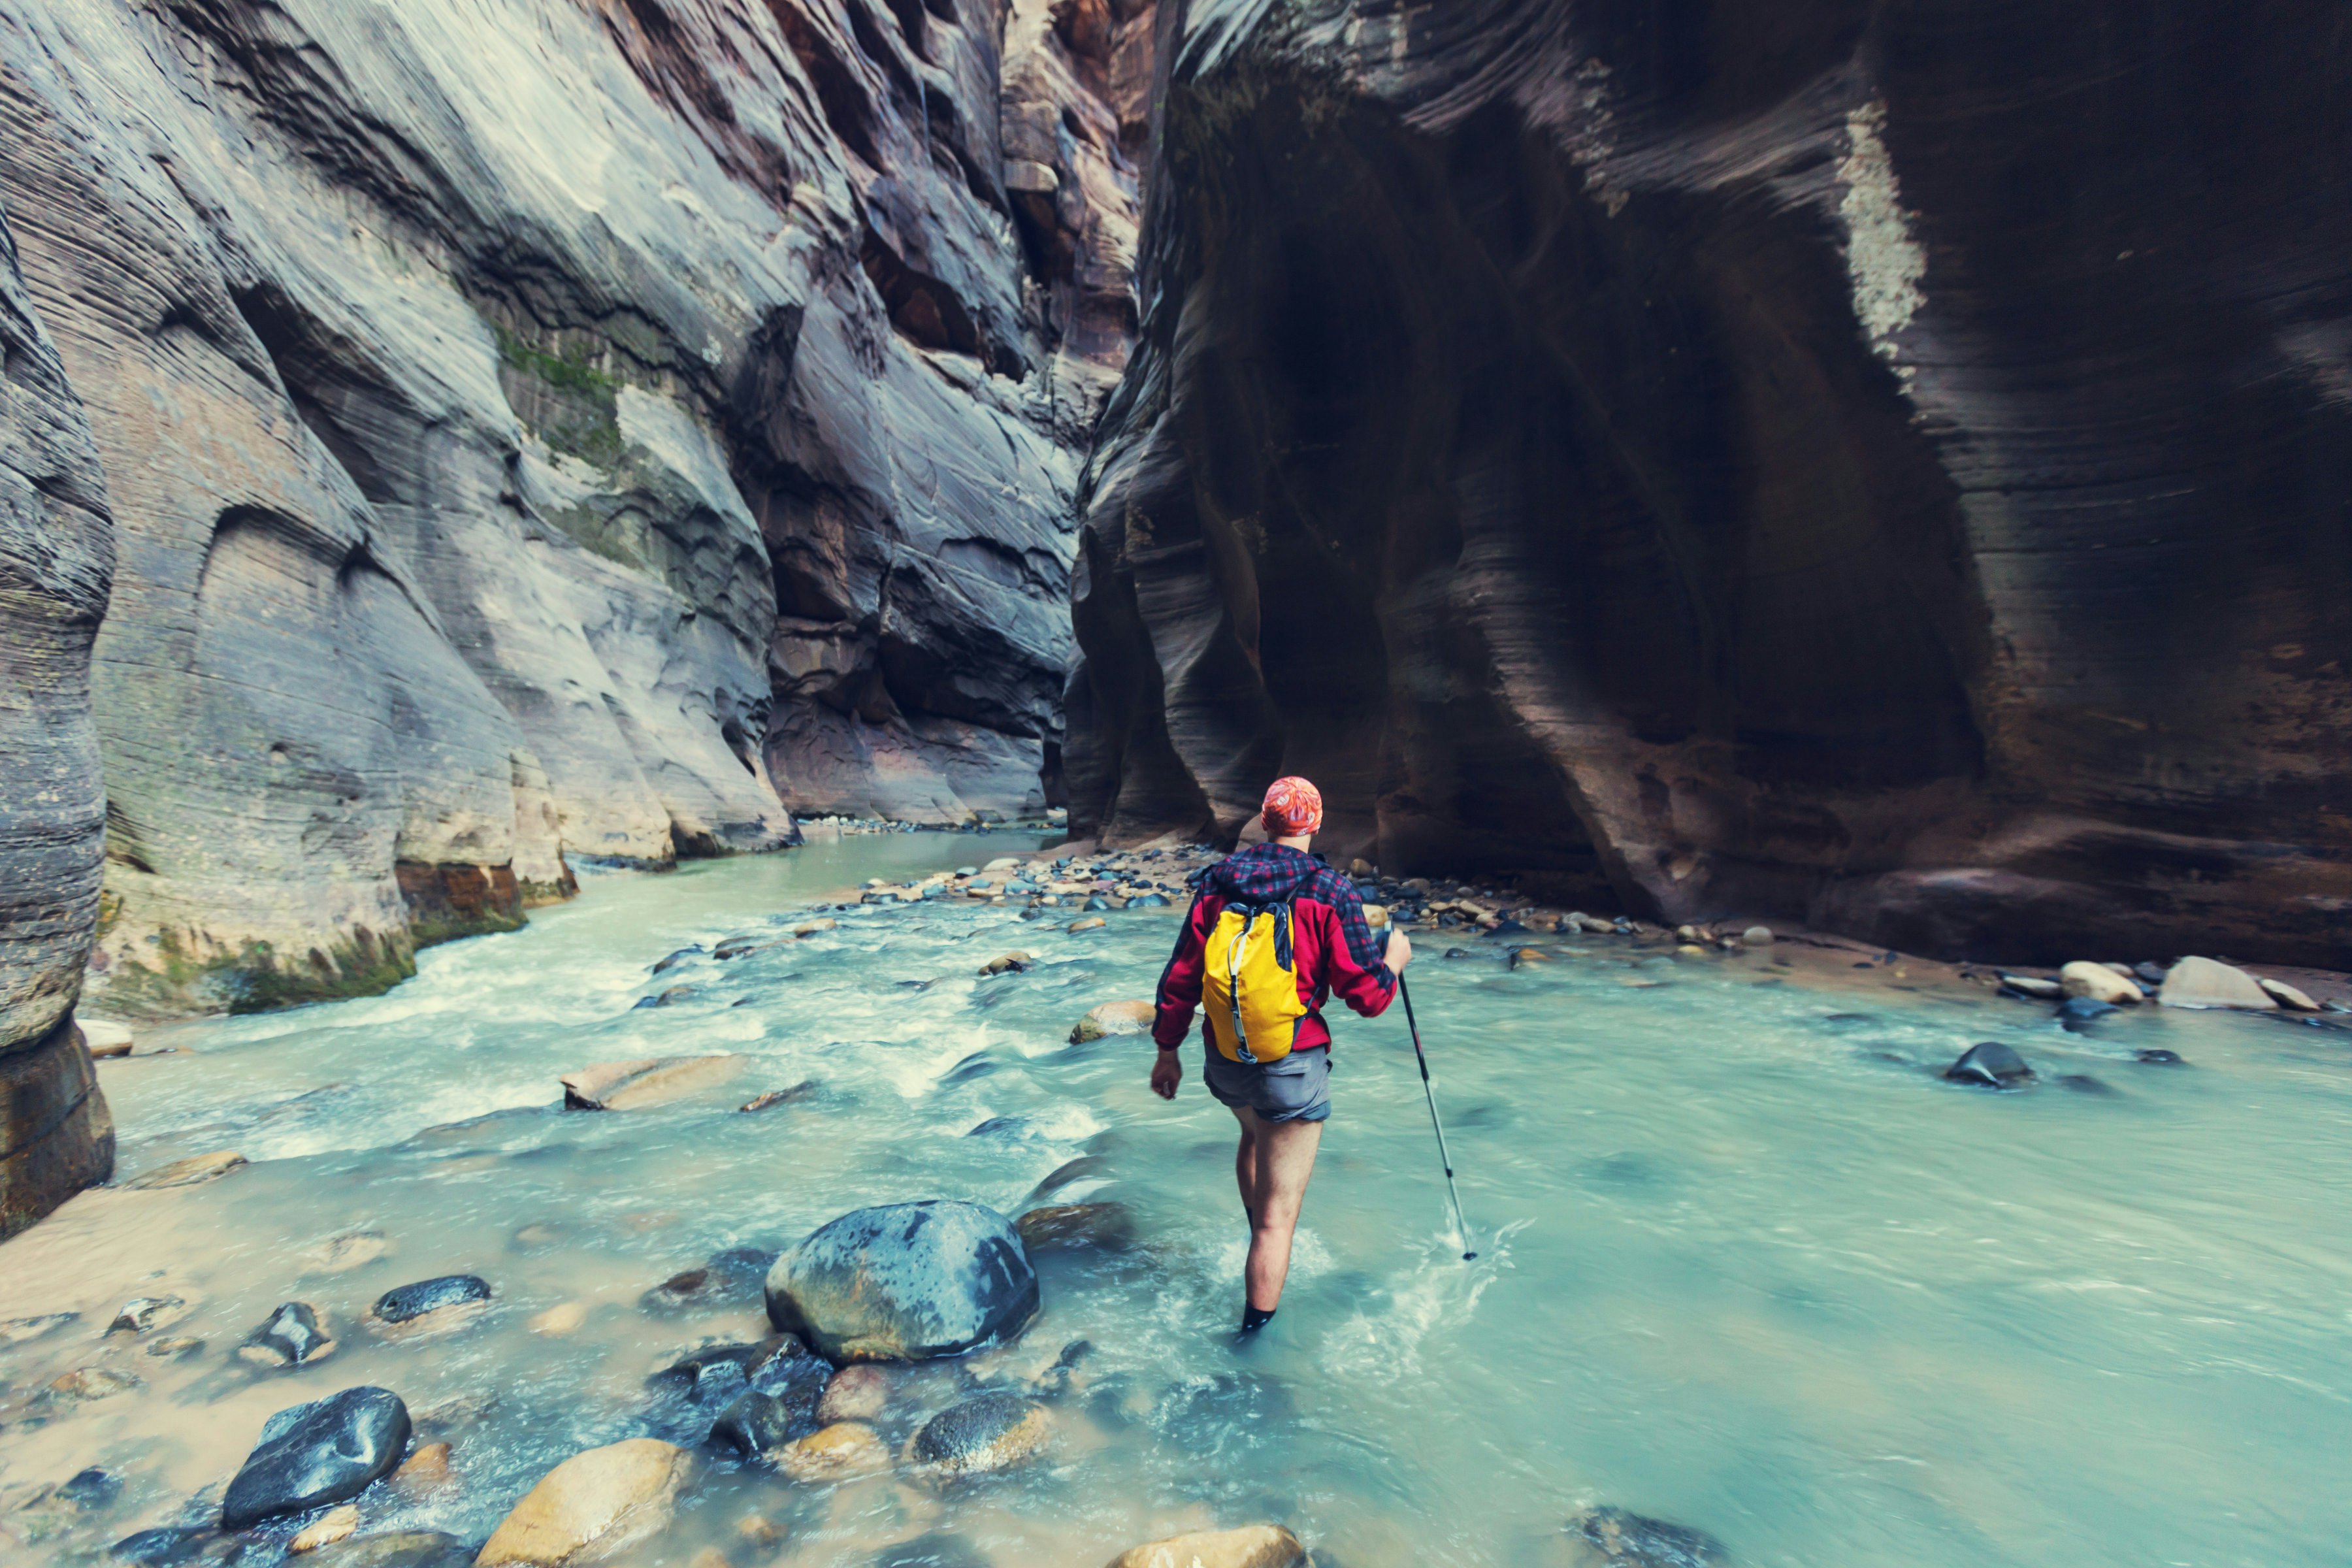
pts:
pixel 1889 466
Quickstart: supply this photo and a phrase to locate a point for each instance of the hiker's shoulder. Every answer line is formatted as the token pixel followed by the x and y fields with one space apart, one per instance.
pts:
pixel 1328 886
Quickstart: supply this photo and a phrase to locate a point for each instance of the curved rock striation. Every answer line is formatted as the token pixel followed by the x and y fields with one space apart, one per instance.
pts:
pixel 57 557
pixel 597 431
pixel 1886 465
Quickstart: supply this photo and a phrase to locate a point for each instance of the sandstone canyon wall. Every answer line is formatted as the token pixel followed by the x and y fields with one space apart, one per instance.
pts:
pixel 1885 465
pixel 587 427
pixel 57 556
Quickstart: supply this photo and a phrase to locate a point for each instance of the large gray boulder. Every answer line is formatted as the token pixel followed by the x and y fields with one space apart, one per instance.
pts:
pixel 905 1282
pixel 57 557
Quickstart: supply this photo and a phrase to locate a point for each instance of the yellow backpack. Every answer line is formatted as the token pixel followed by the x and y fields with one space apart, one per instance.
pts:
pixel 1250 984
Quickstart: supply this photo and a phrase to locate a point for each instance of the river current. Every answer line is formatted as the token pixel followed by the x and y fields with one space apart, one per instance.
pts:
pixel 1745 1263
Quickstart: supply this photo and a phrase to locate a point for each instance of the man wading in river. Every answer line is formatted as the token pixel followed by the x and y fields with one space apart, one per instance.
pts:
pixel 1274 931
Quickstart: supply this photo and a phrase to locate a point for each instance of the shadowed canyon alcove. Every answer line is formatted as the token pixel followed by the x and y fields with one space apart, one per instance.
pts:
pixel 1786 460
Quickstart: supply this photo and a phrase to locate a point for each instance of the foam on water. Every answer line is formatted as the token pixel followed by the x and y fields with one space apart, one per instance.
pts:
pixel 1745 1261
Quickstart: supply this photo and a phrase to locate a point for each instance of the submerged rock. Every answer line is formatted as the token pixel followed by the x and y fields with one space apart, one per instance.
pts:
pixel 834 1453
pixel 335 1524
pixel 769 1099
pixel 17 1331
pixel 2156 1057
pixel 1108 1225
pixel 779 1405
pixel 430 1304
pixel 1013 963
pixel 2083 1083
pixel 860 1392
pixel 292 1337
pixel 651 1081
pixel 2204 983
pixel 1617 1539
pixel 2027 986
pixel 188 1173
pixel 1250 1546
pixel 2076 1011
pixel 394 1549
pixel 1990 1065
pixel 608 1498
pixel 991 1432
pixel 141 1313
pixel 176 1547
pixel 905 1282
pixel 316 1454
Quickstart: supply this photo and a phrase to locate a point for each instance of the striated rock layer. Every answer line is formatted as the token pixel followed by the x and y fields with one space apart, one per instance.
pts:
pixel 566 428
pixel 57 557
pixel 1886 465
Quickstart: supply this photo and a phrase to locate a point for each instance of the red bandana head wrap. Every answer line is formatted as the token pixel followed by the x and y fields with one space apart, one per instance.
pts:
pixel 1293 807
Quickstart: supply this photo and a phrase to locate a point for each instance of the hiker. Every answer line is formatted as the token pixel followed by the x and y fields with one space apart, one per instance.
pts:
pixel 1274 931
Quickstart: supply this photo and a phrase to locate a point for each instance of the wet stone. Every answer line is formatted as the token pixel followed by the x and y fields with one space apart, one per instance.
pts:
pixel 856 1393
pixel 804 1089
pixel 2083 1083
pixel 905 1282
pixel 88 1384
pixel 316 1454
pixel 2156 1057
pixel 17 1331
pixel 411 1303
pixel 673 961
pixel 91 1489
pixel 989 1433
pixel 141 1313
pixel 188 1173
pixel 1250 1546
pixel 606 1499
pixel 833 1453
pixel 291 1337
pixel 174 1347
pixel 779 1405
pixel 394 1549
pixel 1109 1226
pixel 1614 1538
pixel 176 1548
pixel 1990 1065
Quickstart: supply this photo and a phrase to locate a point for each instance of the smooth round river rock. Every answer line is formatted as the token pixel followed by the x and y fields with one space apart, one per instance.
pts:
pixel 905 1282
pixel 311 1455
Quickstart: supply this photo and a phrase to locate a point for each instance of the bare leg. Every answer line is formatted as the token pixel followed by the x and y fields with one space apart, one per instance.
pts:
pixel 1285 1159
pixel 1245 1164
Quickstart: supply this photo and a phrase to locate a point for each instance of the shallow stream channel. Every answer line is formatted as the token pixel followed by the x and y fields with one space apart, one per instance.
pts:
pixel 1747 1263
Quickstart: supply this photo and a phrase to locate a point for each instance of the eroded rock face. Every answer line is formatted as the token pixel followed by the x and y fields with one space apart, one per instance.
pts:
pixel 1881 465
pixel 57 557
pixel 591 435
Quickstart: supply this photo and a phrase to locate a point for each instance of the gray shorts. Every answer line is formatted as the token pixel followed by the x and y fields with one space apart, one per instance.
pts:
pixel 1296 1089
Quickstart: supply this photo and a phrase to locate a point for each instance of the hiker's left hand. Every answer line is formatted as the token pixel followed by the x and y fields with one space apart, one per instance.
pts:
pixel 1166 1073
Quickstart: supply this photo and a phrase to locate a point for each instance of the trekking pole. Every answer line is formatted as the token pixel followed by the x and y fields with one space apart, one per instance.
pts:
pixel 1438 1127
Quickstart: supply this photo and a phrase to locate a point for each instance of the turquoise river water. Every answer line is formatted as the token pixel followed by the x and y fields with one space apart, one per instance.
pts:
pixel 1747 1263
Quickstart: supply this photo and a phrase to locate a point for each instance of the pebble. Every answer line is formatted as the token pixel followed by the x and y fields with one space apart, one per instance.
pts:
pixel 335 1524
pixel 340 1254
pixel 292 1337
pixel 558 1321
pixel 834 1453
pixel 188 1173
pixel 105 1036
pixel 1113 1018
pixel 2158 1058
pixel 810 927
pixel 1250 1546
pixel 1757 936
pixel 609 1497
pixel 175 1348
pixel 2027 986
pixel 1990 1065
pixel 1013 963
pixel 989 1433
pixel 328 1451
pixel 1094 923
pixel 1523 956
